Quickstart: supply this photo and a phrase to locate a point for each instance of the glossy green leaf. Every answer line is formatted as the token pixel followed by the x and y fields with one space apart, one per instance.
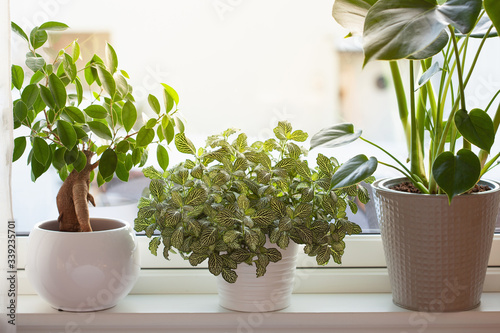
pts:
pixel 334 136
pixel 108 163
pixel 456 174
pixel 58 90
pixel 38 169
pixel 122 172
pixel 75 114
pixel 47 97
pixel 184 145
pixel 66 134
pixel 171 93
pixel 428 74
pixel 30 94
pixel 79 91
pixel 37 77
pixel 80 162
pixel 41 150
pixel 162 157
pixel 75 54
pixel 477 127
pixel 17 29
pixel 58 160
pixel 107 80
pixel 129 115
pixel 53 26
pixel 19 148
pixel 20 110
pixel 351 14
pixel 100 129
pixel 353 171
pixel 111 58
pixel 96 111
pixel 154 103
pixel 196 196
pixel 69 67
pixel 35 63
pixel 38 37
pixel 144 137
pixel 17 76
pixel 397 29
pixel 299 136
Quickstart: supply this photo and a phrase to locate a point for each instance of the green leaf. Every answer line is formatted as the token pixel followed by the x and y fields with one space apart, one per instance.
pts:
pixel 324 164
pixel 19 148
pixel 17 29
pixel 107 80
pixel 396 29
pixel 38 37
pixel 196 196
pixel 96 111
pixel 100 129
pixel 492 7
pixel 323 255
pixel 129 115
pixel 108 163
pixel 75 55
pixel 197 258
pixel 476 127
pixel 299 136
pixel 428 74
pixel 154 244
pixel 30 94
pixel 456 174
pixel 215 264
pixel 69 67
pixel 144 137
pixel 351 14
pixel 162 156
pixel 334 136
pixel 353 171
pixel 17 76
pixel 229 275
pixel 75 114
pixel 208 237
pixel 37 77
pixel 170 95
pixel 41 150
pixel 80 162
pixel 155 105
pixel 264 217
pixel 35 63
pixel 53 26
pixel 58 90
pixel 111 58
pixel 20 111
pixel 79 90
pixel 66 133
pixel 184 145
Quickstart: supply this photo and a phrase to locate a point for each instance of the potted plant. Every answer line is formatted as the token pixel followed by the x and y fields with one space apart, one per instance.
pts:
pixel 245 207
pixel 77 263
pixel 437 243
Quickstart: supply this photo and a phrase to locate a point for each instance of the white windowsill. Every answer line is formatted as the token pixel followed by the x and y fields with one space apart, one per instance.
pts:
pixel 308 313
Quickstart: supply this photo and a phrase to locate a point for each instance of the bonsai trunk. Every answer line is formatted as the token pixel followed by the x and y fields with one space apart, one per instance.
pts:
pixel 72 199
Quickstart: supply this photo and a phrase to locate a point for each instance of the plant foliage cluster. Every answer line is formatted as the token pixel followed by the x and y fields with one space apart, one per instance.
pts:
pixel 223 203
pixel 69 111
pixel 437 35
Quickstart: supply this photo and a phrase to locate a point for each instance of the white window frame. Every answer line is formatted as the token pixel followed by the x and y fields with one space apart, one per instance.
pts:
pixel 363 270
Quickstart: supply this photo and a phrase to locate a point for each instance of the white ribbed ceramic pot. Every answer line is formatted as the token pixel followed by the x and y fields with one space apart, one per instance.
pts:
pixel 270 292
pixel 437 254
pixel 83 271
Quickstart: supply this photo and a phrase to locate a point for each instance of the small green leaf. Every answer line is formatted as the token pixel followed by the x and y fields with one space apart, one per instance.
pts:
pixel 69 67
pixel 20 111
pixel 100 129
pixel 41 150
pixel 456 174
pixel 162 156
pixel 476 127
pixel 353 171
pixel 35 63
pixel 75 114
pixel 75 55
pixel 229 275
pixel 53 26
pixel 96 111
pixel 170 93
pixel 38 37
pixel 66 134
pixel 334 136
pixel 30 94
pixel 155 105
pixel 37 77
pixel 215 264
pixel 107 80
pixel 79 90
pixel 144 137
pixel 299 136
pixel 111 58
pixel 19 148
pixel 17 29
pixel 108 163
pixel 58 90
pixel 17 76
pixel 80 162
pixel 184 145
pixel 129 115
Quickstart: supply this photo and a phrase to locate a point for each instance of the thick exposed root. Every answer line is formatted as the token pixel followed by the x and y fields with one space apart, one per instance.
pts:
pixel 72 199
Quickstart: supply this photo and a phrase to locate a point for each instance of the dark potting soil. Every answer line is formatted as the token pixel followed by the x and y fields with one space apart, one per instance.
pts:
pixel 409 187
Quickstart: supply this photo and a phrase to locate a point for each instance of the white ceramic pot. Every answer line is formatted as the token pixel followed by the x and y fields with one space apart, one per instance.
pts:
pixel 270 292
pixel 437 253
pixel 83 271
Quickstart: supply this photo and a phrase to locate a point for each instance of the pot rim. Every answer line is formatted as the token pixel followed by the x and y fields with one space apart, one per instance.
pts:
pixel 384 183
pixel 122 226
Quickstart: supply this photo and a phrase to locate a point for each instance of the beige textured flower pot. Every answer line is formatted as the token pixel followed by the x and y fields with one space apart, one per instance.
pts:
pixel 436 253
pixel 270 292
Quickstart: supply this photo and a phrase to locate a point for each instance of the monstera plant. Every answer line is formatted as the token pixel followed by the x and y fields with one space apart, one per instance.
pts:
pixel 438 37
pixel 83 121
pixel 223 203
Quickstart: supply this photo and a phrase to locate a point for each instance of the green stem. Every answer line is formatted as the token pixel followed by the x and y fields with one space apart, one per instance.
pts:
pixel 401 99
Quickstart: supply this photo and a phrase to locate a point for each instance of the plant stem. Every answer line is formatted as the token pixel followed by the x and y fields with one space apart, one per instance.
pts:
pixel 401 98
